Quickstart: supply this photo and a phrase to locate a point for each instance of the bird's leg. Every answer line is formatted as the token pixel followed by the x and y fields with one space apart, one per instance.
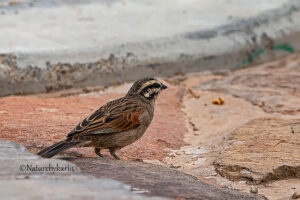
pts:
pixel 112 151
pixel 98 152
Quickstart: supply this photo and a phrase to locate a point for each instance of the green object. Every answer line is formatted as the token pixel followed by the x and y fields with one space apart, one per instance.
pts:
pixel 284 47
pixel 252 56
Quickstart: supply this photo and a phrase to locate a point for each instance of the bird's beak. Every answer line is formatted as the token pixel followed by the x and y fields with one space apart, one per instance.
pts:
pixel 162 87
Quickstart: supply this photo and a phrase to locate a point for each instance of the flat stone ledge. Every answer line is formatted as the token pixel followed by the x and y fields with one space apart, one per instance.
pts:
pixel 94 180
pixel 103 189
pixel 27 176
pixel 155 180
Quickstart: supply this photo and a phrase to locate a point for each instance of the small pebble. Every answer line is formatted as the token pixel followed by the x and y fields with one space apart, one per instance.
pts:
pixel 228 187
pixel 254 190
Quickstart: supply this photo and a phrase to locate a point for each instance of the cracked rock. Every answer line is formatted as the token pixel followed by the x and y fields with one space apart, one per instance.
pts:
pixel 263 150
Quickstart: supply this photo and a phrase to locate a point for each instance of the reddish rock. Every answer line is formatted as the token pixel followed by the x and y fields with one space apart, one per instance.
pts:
pixel 40 122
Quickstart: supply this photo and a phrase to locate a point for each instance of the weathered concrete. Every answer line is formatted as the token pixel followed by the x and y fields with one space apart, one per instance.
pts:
pixel 27 176
pixel 94 189
pixel 16 162
pixel 67 44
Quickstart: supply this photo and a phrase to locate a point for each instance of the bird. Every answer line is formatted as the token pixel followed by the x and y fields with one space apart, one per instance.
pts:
pixel 116 124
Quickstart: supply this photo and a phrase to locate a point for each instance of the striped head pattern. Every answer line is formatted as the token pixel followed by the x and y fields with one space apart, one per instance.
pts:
pixel 148 88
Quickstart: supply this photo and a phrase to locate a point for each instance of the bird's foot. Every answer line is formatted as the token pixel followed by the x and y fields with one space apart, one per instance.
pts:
pixel 112 151
pixel 98 152
pixel 116 156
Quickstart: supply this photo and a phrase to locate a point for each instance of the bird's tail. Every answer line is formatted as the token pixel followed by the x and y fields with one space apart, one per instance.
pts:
pixel 56 148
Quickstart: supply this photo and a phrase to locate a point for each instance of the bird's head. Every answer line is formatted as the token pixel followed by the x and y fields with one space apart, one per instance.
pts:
pixel 147 88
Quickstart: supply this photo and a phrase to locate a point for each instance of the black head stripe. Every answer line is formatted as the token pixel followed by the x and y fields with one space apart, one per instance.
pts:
pixel 141 84
pixel 149 87
pixel 152 96
pixel 150 92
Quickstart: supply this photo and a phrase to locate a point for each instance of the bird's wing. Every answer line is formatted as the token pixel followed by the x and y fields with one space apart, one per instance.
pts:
pixel 120 118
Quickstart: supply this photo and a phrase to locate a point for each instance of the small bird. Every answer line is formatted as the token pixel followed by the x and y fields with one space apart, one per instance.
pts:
pixel 116 124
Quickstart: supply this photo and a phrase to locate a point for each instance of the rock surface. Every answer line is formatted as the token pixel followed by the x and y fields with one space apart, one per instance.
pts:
pixel 27 176
pixel 40 122
pixel 273 95
pixel 157 180
pixel 94 189
pixel 17 162
pixel 261 151
pixel 273 85
pixel 259 118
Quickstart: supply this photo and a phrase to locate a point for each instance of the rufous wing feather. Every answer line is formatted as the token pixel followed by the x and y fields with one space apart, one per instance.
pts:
pixel 108 124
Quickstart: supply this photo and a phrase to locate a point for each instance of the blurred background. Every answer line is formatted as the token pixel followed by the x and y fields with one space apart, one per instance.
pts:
pixel 58 44
pixel 231 112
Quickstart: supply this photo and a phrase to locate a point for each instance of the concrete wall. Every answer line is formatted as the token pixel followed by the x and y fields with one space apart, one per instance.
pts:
pixel 48 46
